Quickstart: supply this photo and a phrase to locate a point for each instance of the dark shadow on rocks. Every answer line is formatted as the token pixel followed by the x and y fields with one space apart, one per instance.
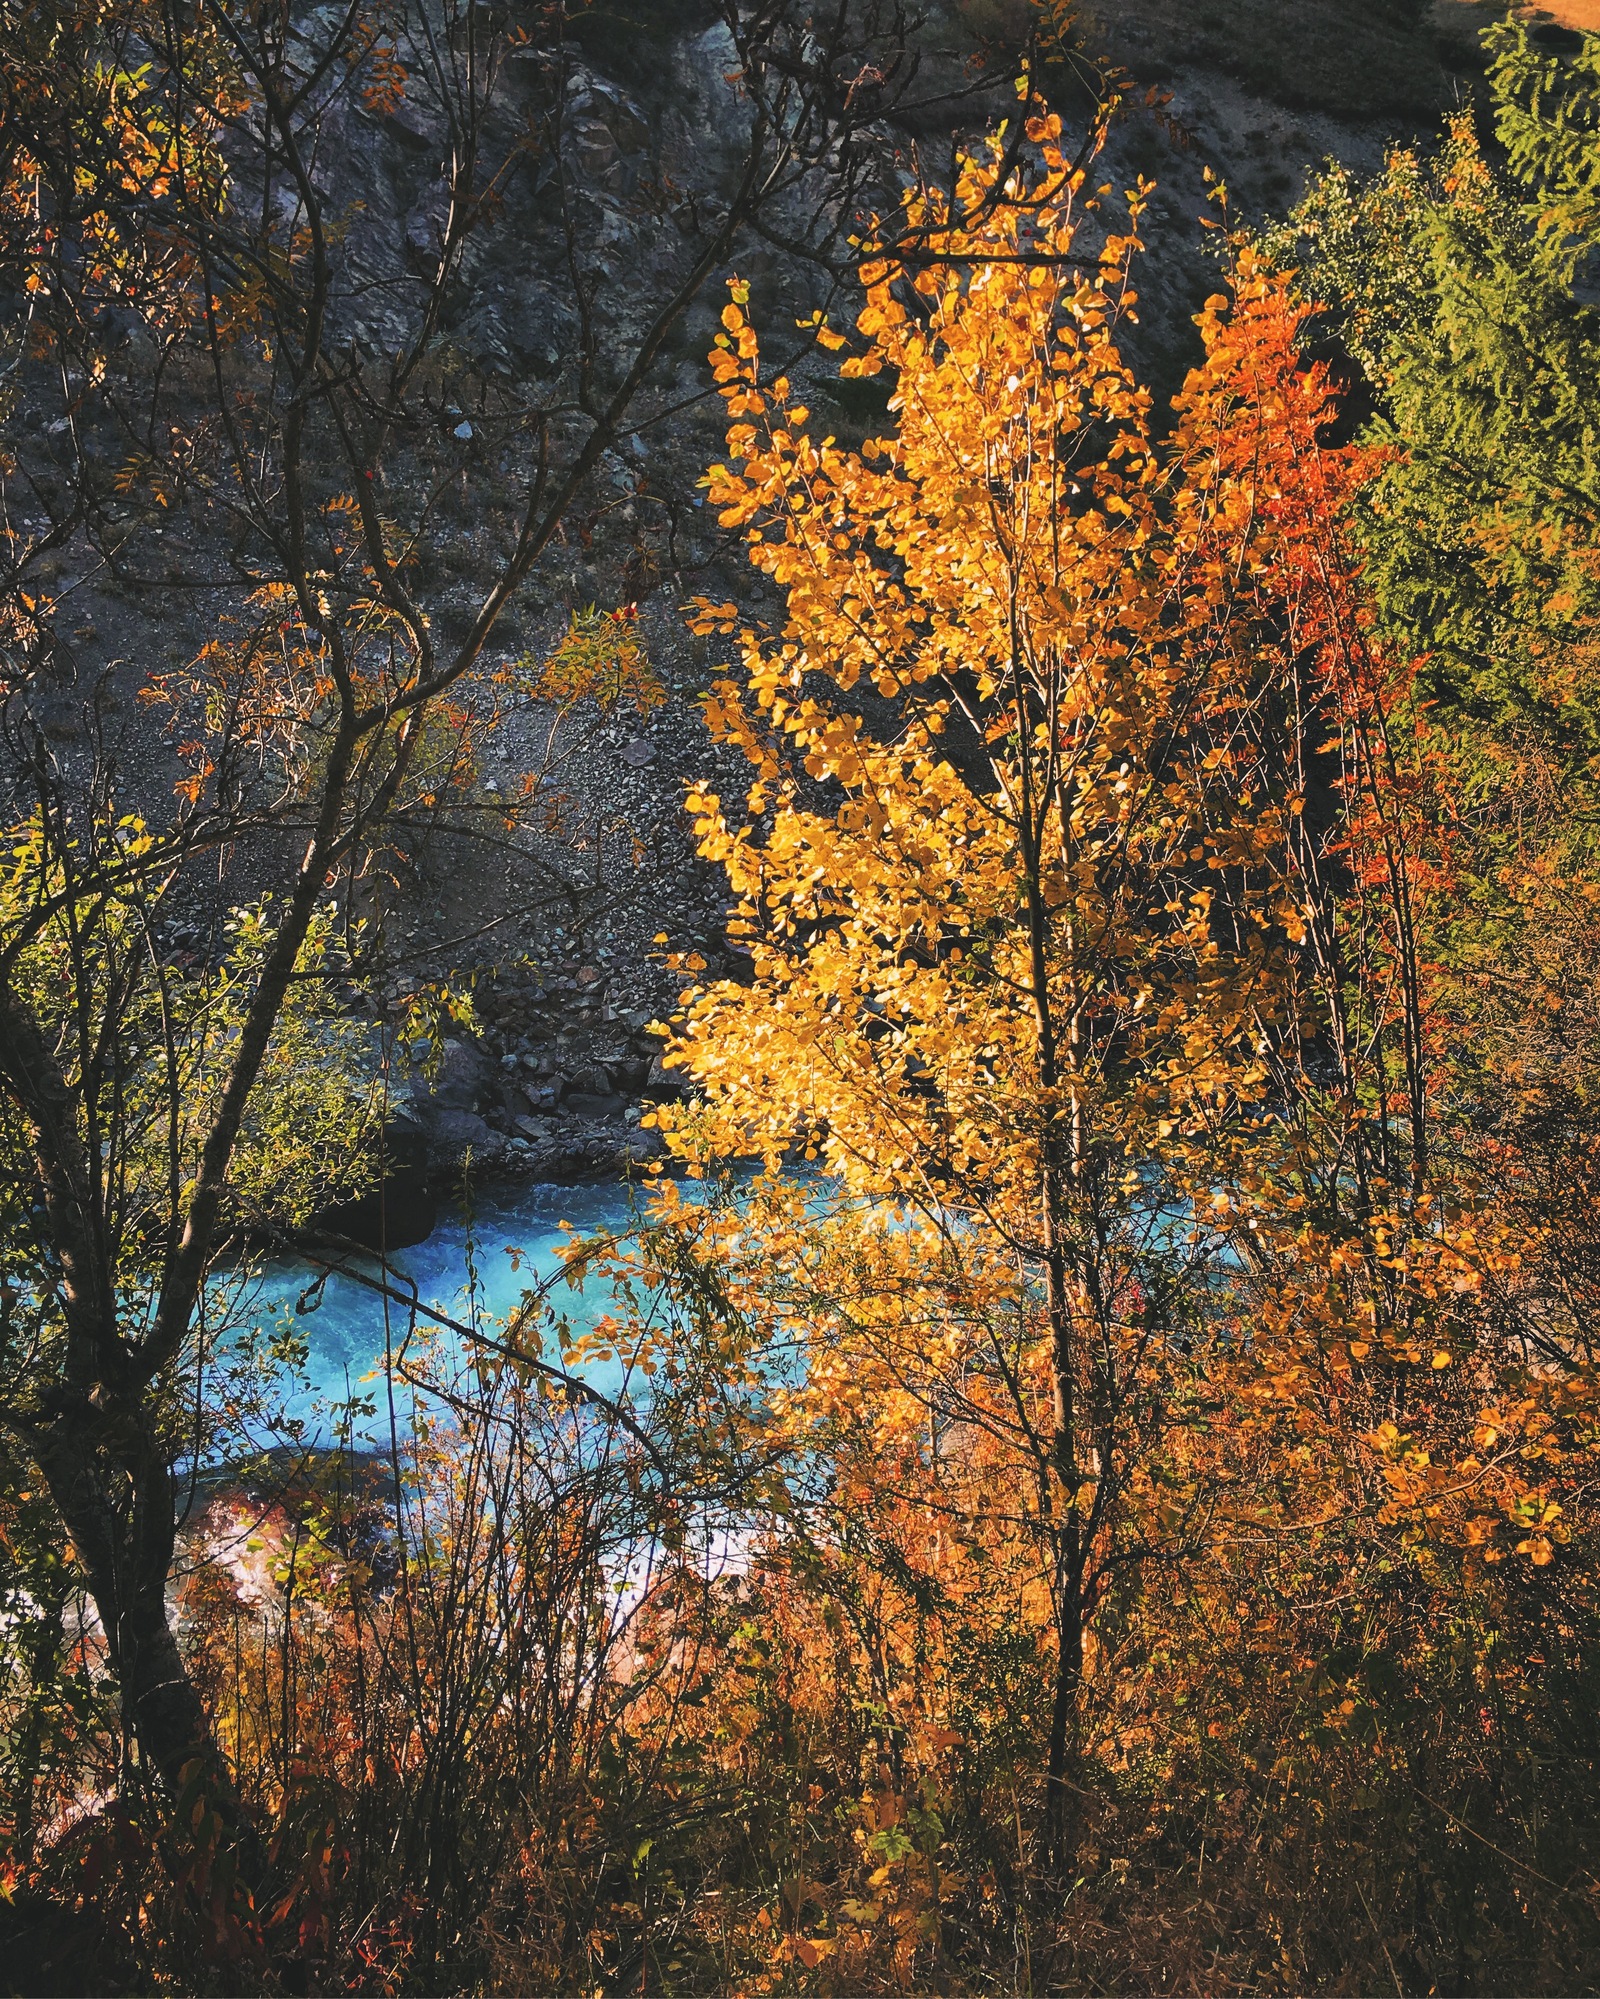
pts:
pixel 402 1210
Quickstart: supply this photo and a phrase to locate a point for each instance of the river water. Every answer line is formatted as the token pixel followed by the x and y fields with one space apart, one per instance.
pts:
pixel 473 1269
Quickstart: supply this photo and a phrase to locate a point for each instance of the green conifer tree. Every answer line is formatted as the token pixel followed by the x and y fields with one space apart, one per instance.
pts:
pixel 1464 287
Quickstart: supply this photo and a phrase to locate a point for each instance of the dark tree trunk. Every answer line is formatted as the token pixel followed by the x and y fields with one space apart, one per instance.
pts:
pixel 1064 1705
pixel 115 1496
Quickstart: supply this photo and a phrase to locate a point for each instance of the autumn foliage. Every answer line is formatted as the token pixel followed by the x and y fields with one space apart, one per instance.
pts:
pixel 1109 1505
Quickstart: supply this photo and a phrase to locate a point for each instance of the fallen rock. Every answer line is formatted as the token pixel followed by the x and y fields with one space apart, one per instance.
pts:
pixel 465 1074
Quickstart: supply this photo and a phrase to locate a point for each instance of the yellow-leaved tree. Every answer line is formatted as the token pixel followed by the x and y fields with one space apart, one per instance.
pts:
pixel 1019 872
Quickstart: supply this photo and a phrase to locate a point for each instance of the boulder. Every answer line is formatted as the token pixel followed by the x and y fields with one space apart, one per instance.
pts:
pixel 592 1108
pixel 466 1074
pixel 454 1134
pixel 448 1111
pixel 663 1085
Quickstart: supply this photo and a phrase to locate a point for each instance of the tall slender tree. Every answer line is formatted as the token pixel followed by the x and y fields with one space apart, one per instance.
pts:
pixel 1019 870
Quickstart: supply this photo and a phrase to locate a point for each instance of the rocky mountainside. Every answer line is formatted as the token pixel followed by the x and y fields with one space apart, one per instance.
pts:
pixel 555 928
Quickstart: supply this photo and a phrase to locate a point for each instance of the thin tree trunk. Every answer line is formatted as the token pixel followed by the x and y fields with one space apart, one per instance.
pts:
pixel 1068 1688
pixel 1067 1580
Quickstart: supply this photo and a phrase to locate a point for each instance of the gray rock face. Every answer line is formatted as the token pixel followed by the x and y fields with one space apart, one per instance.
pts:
pixel 419 126
pixel 708 120
pixel 597 153
pixel 592 102
pixel 425 229
pixel 519 328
